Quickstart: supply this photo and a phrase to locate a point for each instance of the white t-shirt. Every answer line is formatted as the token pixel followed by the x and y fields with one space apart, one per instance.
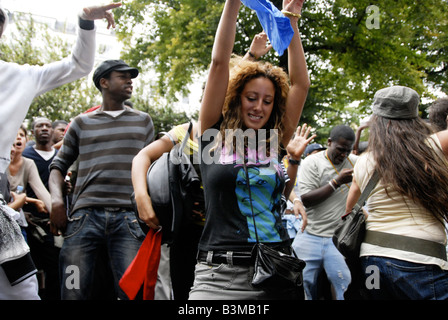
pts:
pixel 22 83
pixel 315 172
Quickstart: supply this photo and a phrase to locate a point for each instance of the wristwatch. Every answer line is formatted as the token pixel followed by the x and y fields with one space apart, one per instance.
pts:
pixel 292 161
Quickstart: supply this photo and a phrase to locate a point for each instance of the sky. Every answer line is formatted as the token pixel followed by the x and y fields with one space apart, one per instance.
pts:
pixel 65 11
pixel 62 10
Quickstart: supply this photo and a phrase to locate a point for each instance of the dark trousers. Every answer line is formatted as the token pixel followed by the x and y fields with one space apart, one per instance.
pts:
pixel 46 258
pixel 183 254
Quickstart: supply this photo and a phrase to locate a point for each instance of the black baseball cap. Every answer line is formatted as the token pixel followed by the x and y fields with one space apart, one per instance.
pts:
pixel 108 66
pixel 313 147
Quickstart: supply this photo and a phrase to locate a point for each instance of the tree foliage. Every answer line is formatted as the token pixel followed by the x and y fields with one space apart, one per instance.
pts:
pixel 163 114
pixel 352 48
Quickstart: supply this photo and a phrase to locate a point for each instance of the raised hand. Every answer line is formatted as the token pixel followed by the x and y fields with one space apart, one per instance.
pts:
pixel 258 46
pixel 297 145
pixel 292 6
pixel 101 12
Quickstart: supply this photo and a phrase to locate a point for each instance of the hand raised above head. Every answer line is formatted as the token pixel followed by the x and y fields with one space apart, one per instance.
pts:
pixel 293 6
pixel 100 12
pixel 259 46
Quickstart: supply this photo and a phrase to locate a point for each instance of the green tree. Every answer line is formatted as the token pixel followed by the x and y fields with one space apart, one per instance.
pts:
pixel 352 49
pixel 162 113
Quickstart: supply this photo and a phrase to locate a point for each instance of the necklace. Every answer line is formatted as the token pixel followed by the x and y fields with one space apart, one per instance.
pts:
pixel 328 158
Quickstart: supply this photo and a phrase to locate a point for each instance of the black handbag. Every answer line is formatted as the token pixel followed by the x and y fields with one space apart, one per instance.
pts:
pixel 350 232
pixel 171 182
pixel 275 271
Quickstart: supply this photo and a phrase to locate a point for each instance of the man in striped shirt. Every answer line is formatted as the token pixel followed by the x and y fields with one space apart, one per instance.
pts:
pixel 101 214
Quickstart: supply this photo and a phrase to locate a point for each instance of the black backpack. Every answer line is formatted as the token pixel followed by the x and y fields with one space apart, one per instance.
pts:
pixel 171 181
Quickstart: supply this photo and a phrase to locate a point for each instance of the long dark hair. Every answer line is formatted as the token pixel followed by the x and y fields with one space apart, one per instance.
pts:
pixel 408 164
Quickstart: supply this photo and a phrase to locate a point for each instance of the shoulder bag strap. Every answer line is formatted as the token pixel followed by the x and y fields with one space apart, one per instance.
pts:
pixel 366 192
pixel 184 141
pixel 250 199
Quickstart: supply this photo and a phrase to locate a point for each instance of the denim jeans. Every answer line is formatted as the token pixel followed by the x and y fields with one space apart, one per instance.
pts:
pixel 403 280
pixel 291 224
pixel 320 253
pixel 89 230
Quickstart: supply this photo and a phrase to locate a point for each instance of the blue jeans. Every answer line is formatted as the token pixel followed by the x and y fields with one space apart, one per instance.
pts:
pixel 403 280
pixel 88 230
pixel 320 253
pixel 291 224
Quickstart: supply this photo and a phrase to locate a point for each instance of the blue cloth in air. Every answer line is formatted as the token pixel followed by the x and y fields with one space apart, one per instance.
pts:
pixel 275 24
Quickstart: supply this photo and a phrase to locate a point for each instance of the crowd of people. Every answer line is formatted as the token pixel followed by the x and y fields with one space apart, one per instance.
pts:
pixel 69 229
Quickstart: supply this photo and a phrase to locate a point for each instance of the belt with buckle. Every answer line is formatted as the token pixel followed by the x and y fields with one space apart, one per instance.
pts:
pixel 226 257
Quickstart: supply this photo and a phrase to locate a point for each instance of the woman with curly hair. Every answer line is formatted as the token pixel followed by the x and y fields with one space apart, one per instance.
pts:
pixel 184 248
pixel 258 101
pixel 408 208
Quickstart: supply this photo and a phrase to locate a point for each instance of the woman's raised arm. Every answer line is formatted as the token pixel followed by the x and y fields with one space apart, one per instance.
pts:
pixel 218 78
pixel 297 69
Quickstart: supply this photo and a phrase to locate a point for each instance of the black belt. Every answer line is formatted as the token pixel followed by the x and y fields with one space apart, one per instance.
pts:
pixel 114 209
pixel 226 257
pixel 233 257
pixel 395 241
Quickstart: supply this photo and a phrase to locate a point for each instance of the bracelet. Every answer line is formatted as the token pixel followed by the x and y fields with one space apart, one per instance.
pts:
pixel 252 55
pixel 295 162
pixel 334 188
pixel 337 185
pixel 291 14
pixel 86 24
pixel 296 199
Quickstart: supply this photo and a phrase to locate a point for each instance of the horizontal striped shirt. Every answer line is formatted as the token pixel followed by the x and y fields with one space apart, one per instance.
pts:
pixel 105 146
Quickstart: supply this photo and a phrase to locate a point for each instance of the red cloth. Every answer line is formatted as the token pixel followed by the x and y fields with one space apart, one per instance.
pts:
pixel 143 269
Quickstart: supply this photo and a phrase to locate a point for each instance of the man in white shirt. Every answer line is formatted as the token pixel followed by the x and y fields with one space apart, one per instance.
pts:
pixel 20 85
pixel 325 179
